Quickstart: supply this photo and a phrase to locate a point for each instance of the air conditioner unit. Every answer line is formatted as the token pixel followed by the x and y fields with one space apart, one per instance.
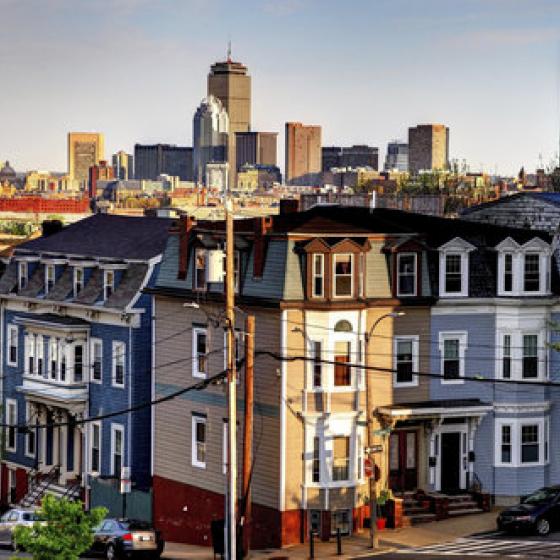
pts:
pixel 216 265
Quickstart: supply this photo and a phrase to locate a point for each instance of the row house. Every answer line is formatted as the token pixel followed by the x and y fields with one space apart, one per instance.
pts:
pixel 426 303
pixel 76 337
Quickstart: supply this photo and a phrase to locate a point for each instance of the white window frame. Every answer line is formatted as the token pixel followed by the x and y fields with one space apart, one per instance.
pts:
pixel 53 356
pixel 95 342
pixel 12 334
pixel 78 270
pixel 334 275
pixel 108 285
pixel 462 337
pixel 415 339
pixel 314 275
pixel 92 431
pixel 11 405
pixel 196 419
pixel 30 427
pixel 312 364
pixel 204 252
pixel 114 429
pixel 49 268
pixel 456 246
pixel 80 344
pixel 517 353
pixel 516 424
pixel 23 275
pixel 29 355
pixel 415 274
pixel 195 371
pixel 119 352
pixel 39 355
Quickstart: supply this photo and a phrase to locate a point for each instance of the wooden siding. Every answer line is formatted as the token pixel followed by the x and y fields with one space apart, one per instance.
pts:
pixel 378 281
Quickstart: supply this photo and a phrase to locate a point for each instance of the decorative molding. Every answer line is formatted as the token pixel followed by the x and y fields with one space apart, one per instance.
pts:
pixel 522 408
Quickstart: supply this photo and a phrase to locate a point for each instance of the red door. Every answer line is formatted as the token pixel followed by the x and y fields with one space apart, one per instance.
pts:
pixel 403 460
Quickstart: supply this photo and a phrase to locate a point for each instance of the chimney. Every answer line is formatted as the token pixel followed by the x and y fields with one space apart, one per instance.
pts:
pixel 50 227
pixel 186 224
pixel 289 205
pixel 261 225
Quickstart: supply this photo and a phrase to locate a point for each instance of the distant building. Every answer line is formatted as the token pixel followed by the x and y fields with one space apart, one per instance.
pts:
pixel 303 153
pixel 210 136
pixel 8 176
pixel 123 164
pixel 353 156
pixel 157 159
pixel 101 171
pixel 230 83
pixel 253 177
pixel 84 150
pixel 397 156
pixel 256 148
pixel 428 147
pixel 217 175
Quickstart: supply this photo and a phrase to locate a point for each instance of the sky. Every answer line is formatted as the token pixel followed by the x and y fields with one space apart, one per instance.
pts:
pixel 365 70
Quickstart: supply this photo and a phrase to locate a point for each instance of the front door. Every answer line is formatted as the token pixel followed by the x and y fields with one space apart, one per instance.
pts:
pixel 403 469
pixel 450 461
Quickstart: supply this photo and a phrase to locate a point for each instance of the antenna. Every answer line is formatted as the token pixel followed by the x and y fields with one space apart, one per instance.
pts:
pixel 229 51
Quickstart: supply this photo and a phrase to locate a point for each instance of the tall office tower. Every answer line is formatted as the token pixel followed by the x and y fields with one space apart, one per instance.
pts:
pixel 230 83
pixel 210 136
pixel 123 164
pixel 352 156
pixel 303 153
pixel 101 171
pixel 84 150
pixel 428 147
pixel 256 148
pixel 150 161
pixel 397 156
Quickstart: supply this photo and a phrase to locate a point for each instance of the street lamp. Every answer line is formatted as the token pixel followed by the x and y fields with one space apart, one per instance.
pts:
pixel 372 490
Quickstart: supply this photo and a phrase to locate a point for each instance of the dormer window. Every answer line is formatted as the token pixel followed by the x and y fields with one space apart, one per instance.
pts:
pixel 406 274
pixel 200 269
pixel 453 273
pixel 454 268
pixel 108 284
pixel 49 278
pixel 22 275
pixel 343 277
pixel 78 281
pixel 531 273
pixel 318 275
pixel 508 272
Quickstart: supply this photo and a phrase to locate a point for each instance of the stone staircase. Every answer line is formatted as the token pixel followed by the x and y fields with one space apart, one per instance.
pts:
pixel 416 511
pixel 461 504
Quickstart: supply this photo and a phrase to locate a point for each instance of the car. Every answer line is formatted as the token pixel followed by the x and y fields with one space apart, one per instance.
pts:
pixel 538 512
pixel 12 519
pixel 126 538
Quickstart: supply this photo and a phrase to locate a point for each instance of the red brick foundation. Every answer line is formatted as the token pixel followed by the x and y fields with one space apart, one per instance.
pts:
pixel 21 484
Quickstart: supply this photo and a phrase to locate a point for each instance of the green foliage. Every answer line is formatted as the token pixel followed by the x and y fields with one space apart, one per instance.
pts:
pixel 17 228
pixel 64 532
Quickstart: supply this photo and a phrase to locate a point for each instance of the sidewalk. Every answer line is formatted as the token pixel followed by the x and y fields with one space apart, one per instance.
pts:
pixel 356 546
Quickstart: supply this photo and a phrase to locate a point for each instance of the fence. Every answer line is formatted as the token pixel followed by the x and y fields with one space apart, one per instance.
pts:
pixel 135 505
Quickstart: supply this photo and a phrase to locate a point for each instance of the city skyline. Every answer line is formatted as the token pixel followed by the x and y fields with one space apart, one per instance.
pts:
pixel 136 71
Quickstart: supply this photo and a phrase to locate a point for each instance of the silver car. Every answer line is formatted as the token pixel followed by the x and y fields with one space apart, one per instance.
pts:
pixel 12 519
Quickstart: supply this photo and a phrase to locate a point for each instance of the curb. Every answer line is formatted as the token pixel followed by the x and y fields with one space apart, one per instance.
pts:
pixel 388 550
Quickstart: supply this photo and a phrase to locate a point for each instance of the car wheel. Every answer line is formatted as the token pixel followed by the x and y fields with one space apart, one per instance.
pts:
pixel 543 527
pixel 110 553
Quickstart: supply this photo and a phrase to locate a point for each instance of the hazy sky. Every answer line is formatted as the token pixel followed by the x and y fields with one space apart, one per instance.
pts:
pixel 363 69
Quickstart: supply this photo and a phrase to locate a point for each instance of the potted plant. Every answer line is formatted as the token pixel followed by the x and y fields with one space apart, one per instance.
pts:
pixel 381 520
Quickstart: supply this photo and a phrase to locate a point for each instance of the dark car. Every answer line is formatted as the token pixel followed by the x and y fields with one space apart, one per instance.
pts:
pixel 539 512
pixel 125 538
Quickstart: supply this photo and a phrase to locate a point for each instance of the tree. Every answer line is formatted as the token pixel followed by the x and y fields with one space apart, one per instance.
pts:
pixel 64 532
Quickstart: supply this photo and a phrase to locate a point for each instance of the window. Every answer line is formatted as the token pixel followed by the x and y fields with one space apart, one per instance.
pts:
pixel 508 272
pixel 341 520
pixel 117 446
pixel 532 274
pixel 406 274
pixel 530 357
pixel 95 447
pixel 200 351
pixel 341 458
pixel 108 284
pixel 452 348
pixel 22 275
pixel 53 358
pixel 200 269
pixel 406 360
pixel 30 436
pixel 343 277
pixel 78 281
pixel 199 441
pixel 63 361
pixel 506 444
pixel 119 360
pixel 40 354
pixel 318 276
pixel 96 360
pixel 30 354
pixel 453 273
pixel 12 345
pixel 315 521
pixel 506 357
pixel 12 492
pixel 530 443
pixel 11 420
pixel 342 372
pixel 49 277
pixel 78 363
pixel 316 364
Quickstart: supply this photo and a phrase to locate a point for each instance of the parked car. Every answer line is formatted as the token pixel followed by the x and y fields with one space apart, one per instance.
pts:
pixel 12 519
pixel 126 538
pixel 539 512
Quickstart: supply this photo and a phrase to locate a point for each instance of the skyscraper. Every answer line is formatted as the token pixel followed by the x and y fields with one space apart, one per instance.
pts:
pixel 428 147
pixel 303 153
pixel 210 136
pixel 256 148
pixel 85 149
pixel 397 156
pixel 353 156
pixel 230 83
pixel 123 164
pixel 150 161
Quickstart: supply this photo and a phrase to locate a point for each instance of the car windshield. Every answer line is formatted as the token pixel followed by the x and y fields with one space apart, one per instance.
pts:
pixel 540 496
pixel 30 517
pixel 135 525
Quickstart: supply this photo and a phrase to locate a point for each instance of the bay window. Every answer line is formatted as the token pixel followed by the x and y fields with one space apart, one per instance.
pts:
pixel 342 371
pixel 521 441
pixel 341 458
pixel 530 364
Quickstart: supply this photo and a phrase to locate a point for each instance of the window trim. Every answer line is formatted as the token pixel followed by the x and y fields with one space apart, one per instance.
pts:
pixel 352 275
pixel 315 276
pixel 23 275
pixel 516 424
pixel 115 427
pixel 456 246
pixel 93 343
pixel 115 355
pixel 516 338
pixel 11 403
pixel 462 336
pixel 48 268
pixel 415 274
pixel 9 332
pixel 81 282
pixel 204 252
pixel 98 425
pixel 195 420
pixel 415 359
pixel 195 371
pixel 107 284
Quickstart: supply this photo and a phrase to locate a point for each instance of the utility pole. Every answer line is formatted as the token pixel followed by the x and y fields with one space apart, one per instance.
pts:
pixel 248 430
pixel 231 381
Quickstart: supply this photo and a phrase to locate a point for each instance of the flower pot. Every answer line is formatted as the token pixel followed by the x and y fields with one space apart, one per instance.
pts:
pixel 380 523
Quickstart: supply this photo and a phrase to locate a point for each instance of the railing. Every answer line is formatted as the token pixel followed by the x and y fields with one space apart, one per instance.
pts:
pixel 40 487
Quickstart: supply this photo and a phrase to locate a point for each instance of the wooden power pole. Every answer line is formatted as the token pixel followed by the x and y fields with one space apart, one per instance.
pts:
pixel 248 430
